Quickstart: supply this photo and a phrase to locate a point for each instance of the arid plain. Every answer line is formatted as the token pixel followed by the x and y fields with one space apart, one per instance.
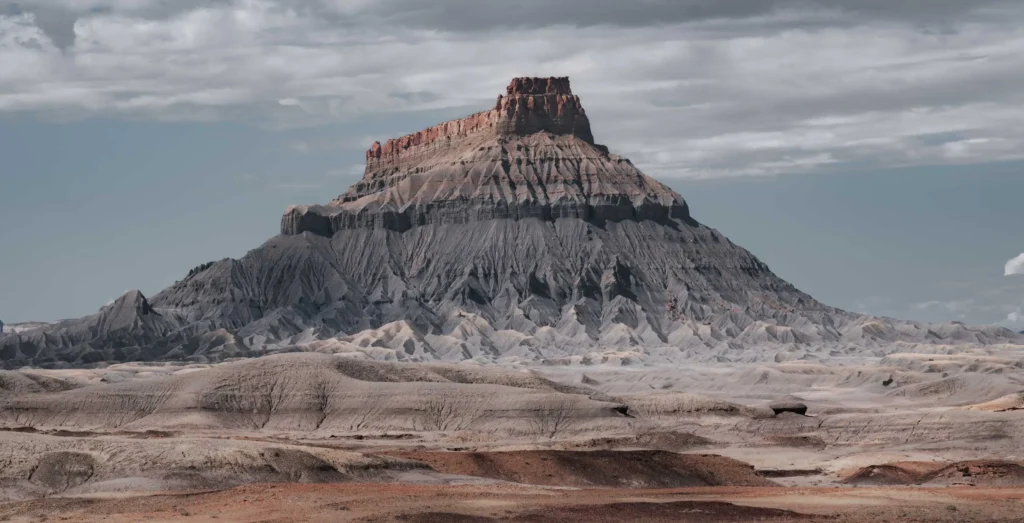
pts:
pixel 905 437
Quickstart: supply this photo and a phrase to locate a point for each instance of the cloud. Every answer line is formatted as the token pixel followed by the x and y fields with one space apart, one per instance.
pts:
pixel 985 300
pixel 478 16
pixel 1014 266
pixel 960 306
pixel 685 88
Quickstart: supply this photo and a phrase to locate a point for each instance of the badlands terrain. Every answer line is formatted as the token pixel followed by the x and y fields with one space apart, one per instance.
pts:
pixel 314 437
pixel 509 236
pixel 504 321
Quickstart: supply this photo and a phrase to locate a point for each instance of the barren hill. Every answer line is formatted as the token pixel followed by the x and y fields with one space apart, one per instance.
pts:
pixel 509 235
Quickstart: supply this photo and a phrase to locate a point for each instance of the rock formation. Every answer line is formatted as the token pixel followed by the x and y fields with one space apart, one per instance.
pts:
pixel 531 156
pixel 509 235
pixel 788 406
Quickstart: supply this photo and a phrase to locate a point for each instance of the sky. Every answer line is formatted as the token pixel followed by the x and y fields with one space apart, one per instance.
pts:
pixel 869 151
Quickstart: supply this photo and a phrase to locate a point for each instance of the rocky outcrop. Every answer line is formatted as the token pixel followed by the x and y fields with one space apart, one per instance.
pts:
pixel 127 329
pixel 506 236
pixel 794 407
pixel 531 156
pixel 531 105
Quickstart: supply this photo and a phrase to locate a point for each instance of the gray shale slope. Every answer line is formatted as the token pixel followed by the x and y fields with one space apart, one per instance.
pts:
pixel 506 236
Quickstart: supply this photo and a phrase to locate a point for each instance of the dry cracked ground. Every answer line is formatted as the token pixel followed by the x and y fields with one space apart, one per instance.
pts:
pixel 315 437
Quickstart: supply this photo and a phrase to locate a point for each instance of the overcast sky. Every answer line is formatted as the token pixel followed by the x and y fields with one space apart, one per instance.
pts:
pixel 142 137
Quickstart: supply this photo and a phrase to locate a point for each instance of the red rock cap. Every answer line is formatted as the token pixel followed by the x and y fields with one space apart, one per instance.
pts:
pixel 534 86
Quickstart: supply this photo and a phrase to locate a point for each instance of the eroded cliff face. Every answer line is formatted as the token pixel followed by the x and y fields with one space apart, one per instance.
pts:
pixel 505 236
pixel 532 105
pixel 531 156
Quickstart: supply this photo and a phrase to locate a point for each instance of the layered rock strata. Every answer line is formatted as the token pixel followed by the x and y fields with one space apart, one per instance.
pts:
pixel 507 236
pixel 531 156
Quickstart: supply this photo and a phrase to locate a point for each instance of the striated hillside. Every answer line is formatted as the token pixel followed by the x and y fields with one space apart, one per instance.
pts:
pixel 509 235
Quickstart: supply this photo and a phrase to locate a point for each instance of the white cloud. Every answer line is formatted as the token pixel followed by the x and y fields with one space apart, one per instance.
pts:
pixel 738 90
pixel 1015 317
pixel 1014 266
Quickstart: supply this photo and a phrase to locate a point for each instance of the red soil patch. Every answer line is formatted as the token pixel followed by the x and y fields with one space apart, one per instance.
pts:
pixel 364 503
pixel 679 511
pixel 978 472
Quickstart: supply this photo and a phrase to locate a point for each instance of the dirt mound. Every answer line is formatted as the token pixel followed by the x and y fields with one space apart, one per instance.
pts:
pixel 677 403
pixel 662 440
pixel 981 473
pixel 978 473
pixel 36 464
pixel 309 392
pixel 15 382
pixel 1006 403
pixel 679 511
pixel 671 441
pixel 789 473
pixel 809 442
pixel 302 467
pixel 60 471
pixel 623 469
pixel 888 474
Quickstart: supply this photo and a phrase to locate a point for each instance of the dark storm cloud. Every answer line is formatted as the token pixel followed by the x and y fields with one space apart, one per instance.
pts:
pixel 58 24
pixel 472 15
pixel 56 18
pixel 477 15
pixel 684 87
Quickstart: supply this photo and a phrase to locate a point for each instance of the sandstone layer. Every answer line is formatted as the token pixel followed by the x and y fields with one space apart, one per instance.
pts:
pixel 531 156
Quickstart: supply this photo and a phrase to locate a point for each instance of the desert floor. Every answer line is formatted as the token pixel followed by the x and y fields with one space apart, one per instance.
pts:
pixel 315 437
pixel 431 503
